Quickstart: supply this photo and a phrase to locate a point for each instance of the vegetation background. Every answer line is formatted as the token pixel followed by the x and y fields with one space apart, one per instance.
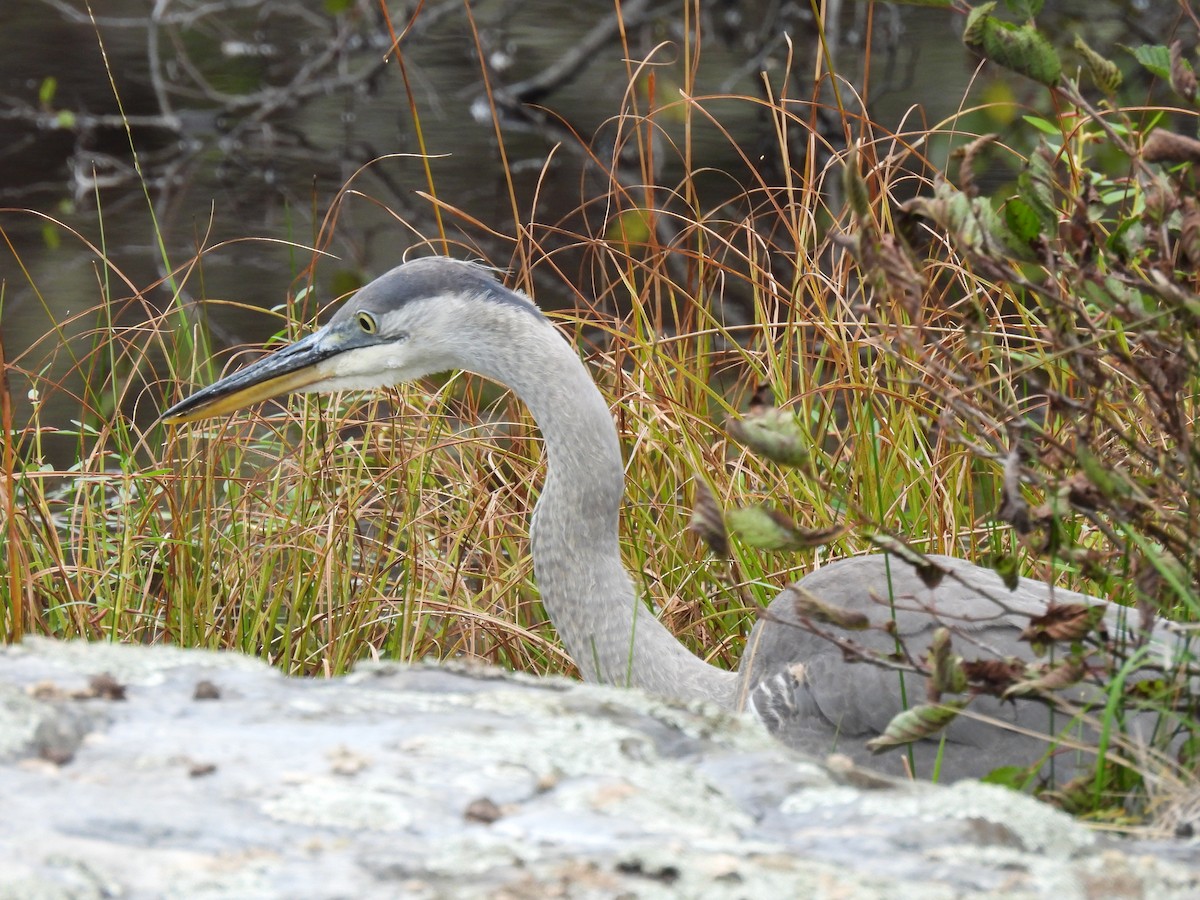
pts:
pixel 975 304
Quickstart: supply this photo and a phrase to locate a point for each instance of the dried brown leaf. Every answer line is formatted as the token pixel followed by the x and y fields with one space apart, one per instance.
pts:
pixel 762 399
pixel 1189 232
pixel 858 196
pixel 994 676
pixel 708 521
pixel 1054 678
pixel 1168 147
pixel 1183 79
pixel 966 168
pixel 105 687
pixel 1013 508
pixel 1062 622
pixel 947 674
pixel 900 274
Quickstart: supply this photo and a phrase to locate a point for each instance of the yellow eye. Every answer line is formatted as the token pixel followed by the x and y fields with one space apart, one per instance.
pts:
pixel 366 322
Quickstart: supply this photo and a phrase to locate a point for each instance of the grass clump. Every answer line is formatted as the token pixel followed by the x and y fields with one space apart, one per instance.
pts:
pixel 1006 375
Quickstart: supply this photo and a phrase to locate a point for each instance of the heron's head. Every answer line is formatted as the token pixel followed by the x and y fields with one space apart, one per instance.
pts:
pixel 418 319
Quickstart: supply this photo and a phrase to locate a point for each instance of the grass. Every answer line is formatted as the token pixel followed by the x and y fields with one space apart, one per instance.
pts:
pixel 396 526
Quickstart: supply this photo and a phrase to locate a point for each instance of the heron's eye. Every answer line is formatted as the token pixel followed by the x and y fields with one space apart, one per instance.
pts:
pixel 366 322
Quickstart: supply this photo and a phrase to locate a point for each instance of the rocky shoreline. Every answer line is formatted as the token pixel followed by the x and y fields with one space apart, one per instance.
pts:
pixel 157 772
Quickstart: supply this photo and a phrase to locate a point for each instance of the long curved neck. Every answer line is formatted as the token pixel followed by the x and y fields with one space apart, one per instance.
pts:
pixel 611 636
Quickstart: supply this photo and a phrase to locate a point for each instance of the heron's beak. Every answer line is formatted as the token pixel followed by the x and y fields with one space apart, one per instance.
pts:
pixel 293 368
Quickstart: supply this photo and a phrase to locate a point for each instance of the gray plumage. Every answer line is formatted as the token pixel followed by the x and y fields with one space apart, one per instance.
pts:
pixel 436 314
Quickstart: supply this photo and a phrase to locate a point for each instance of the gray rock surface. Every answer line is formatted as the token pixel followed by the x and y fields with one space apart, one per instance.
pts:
pixel 193 774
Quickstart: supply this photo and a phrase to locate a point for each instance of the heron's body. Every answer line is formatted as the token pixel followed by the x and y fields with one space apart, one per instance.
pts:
pixel 436 314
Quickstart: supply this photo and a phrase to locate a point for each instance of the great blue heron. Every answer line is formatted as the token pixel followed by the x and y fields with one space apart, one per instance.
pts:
pixel 436 314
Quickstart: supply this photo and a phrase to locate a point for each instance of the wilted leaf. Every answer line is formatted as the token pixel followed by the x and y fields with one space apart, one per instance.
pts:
pixel 808 605
pixel 947 674
pixel 1110 480
pixel 1036 184
pixel 857 195
pixel 1183 79
pixel 1075 796
pixel 1148 689
pixel 1189 231
pixel 1062 622
pixel 994 676
pixel 929 572
pixel 763 398
pixel 971 222
pixel 914 724
pixel 1104 72
pixel 888 264
pixel 1055 678
pixel 773 433
pixel 1013 508
pixel 708 522
pixel 966 168
pixel 769 529
pixel 1168 147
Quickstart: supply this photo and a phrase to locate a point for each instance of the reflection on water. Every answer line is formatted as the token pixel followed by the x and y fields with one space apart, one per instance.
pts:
pixel 248 119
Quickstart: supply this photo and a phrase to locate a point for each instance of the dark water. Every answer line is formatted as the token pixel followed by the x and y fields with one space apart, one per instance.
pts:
pixel 238 190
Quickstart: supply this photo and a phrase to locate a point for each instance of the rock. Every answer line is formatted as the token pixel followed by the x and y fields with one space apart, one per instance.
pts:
pixel 121 776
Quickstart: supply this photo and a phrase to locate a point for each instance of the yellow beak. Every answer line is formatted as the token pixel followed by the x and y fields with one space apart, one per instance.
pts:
pixel 293 368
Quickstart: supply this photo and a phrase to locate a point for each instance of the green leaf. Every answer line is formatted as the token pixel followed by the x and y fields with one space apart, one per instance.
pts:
pixel 336 7
pixel 976 23
pixel 1036 186
pixel 769 529
pixel 1020 48
pixel 1155 58
pixel 1008 570
pixel 1014 777
pixel 1024 9
pixel 47 90
pixel 344 281
pixel 761 527
pixel 1021 220
pixel 773 433
pixel 1042 125
pixel 970 222
pixel 50 236
pixel 65 119
pixel 1025 51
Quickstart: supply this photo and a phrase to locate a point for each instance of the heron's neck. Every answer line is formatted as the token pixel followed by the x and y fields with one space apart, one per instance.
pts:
pixel 611 636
